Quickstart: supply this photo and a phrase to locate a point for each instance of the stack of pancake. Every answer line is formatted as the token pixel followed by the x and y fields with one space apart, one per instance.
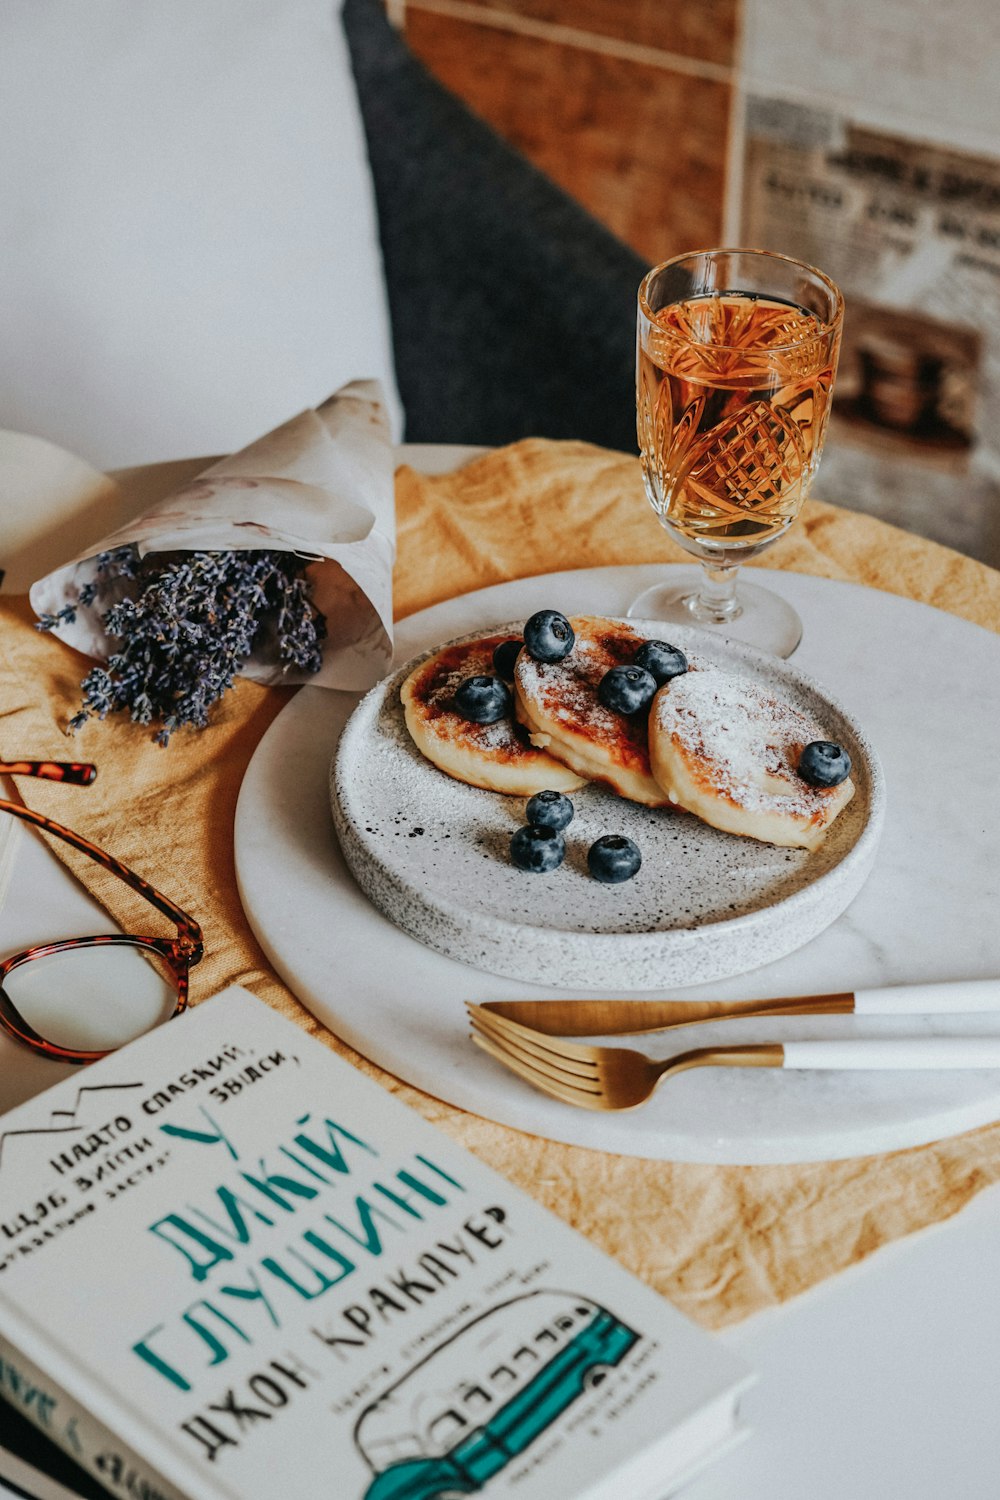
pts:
pixel 718 744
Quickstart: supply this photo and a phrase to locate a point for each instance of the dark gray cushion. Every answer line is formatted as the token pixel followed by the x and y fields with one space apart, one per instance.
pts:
pixel 513 310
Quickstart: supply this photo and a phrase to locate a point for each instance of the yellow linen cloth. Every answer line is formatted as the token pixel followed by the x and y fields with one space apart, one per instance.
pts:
pixel 720 1242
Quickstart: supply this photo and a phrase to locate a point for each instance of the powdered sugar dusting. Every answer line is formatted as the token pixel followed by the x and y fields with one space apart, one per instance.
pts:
pixel 436 687
pixel 568 689
pixel 499 735
pixel 747 740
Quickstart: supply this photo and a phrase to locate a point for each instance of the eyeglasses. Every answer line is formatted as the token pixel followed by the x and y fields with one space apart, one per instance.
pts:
pixel 78 999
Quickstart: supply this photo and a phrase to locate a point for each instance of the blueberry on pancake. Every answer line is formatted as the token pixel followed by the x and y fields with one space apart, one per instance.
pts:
pixel 728 749
pixel 495 755
pixel 560 706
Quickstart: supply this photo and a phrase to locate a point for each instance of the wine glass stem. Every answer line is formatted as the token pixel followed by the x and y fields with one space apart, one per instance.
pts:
pixel 716 601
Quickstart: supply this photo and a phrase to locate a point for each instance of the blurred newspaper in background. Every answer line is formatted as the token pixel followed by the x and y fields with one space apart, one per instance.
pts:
pixel 911 233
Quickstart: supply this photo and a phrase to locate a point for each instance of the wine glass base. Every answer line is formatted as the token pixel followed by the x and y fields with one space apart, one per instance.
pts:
pixel 764 619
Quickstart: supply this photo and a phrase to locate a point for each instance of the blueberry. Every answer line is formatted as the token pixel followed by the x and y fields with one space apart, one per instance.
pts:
pixel 483 700
pixel 504 657
pixel 538 849
pixel 661 660
pixel 548 636
pixel 824 763
pixel 626 689
pixel 549 810
pixel 613 858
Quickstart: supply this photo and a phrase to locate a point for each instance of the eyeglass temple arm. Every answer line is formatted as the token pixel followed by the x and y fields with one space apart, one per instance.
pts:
pixel 77 772
pixel 82 774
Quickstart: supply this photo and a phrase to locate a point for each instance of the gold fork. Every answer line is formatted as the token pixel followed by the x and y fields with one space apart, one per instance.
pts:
pixel 613 1078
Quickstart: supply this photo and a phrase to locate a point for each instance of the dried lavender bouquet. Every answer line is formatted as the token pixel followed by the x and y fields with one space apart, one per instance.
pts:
pixel 187 623
pixel 274 563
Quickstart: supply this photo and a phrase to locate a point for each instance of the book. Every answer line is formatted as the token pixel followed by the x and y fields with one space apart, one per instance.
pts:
pixel 32 1465
pixel 234 1268
pixel 25 1481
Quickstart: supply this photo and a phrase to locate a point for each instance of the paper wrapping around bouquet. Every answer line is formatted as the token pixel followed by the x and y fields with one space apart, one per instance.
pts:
pixel 321 487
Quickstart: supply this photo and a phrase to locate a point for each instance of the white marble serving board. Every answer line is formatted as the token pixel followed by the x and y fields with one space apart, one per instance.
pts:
pixel 925 685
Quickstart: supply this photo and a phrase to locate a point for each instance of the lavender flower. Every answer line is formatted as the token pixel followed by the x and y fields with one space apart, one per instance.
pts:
pixel 187 623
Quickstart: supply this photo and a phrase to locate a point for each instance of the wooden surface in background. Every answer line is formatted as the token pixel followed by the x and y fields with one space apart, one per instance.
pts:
pixel 642 146
pixel 704 29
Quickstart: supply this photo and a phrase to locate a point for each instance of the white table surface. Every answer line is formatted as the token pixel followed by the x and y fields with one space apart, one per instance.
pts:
pixel 879 1383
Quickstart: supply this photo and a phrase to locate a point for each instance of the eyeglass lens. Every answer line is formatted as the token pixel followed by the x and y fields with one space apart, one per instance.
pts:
pixel 93 998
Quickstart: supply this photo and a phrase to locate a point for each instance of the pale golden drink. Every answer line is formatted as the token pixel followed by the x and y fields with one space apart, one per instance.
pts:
pixel 733 398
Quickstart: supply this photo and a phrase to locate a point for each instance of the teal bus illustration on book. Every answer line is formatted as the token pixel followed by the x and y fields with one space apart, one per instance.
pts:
pixel 482 1397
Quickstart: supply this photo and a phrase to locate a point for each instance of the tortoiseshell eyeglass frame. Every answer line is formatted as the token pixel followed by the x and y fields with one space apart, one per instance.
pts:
pixel 178 954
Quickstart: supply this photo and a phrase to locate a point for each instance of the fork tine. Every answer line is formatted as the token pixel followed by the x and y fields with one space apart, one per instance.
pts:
pixel 536 1047
pixel 549 1066
pixel 571 1056
pixel 530 1075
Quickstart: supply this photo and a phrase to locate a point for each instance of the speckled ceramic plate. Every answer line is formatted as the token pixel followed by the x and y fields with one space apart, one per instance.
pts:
pixel 432 854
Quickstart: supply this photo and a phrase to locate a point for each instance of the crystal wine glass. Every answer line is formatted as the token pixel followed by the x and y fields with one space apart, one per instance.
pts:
pixel 736 356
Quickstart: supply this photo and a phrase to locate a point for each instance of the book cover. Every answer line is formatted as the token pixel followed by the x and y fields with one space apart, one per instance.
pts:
pixel 233 1266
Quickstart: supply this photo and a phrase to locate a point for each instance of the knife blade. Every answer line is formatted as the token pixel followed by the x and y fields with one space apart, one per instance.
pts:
pixel 631 1017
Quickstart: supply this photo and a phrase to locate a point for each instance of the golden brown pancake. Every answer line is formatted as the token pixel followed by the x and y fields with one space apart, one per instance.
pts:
pixel 495 756
pixel 726 748
pixel 558 705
